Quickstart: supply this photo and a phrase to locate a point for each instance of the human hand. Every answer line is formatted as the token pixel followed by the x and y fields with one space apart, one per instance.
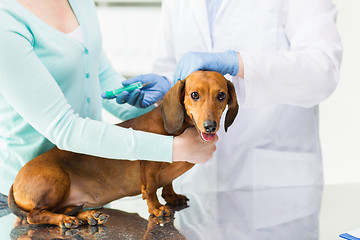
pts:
pixel 147 95
pixel 189 147
pixel 224 63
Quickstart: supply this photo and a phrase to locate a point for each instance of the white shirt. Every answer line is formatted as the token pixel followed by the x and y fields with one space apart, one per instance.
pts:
pixel 77 34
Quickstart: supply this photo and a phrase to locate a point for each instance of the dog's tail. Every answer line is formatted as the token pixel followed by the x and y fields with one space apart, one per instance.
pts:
pixel 4 208
pixel 14 208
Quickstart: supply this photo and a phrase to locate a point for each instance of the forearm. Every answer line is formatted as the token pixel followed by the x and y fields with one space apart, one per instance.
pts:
pixel 240 74
pixel 302 78
pixel 31 90
pixel 307 71
pixel 105 140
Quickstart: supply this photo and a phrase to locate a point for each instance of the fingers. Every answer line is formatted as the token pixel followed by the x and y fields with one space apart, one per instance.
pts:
pixel 191 148
pixel 136 97
pixel 182 69
pixel 122 97
pixel 208 151
pixel 181 74
pixel 133 80
pixel 188 63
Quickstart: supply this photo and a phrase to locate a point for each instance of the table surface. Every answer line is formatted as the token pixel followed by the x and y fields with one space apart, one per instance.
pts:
pixel 308 213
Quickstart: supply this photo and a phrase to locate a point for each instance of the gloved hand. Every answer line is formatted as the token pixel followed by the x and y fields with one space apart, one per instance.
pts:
pixel 224 63
pixel 147 95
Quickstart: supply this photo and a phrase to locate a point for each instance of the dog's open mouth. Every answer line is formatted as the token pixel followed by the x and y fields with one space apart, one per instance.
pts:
pixel 207 137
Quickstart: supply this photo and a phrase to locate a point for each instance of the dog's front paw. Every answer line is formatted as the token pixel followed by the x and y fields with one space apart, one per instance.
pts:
pixel 93 217
pixel 163 211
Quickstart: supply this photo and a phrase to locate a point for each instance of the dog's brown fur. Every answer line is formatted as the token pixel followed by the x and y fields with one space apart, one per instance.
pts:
pixel 53 187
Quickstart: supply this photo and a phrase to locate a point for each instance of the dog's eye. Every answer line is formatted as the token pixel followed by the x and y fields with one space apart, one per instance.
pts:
pixel 195 95
pixel 221 96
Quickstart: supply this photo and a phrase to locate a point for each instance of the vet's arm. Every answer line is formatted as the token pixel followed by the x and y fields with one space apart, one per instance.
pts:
pixel 305 74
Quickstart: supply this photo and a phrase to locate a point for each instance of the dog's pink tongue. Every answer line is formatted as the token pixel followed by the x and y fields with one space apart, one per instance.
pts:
pixel 207 137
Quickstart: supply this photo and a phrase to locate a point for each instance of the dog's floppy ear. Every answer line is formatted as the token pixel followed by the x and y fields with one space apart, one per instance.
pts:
pixel 172 107
pixel 233 106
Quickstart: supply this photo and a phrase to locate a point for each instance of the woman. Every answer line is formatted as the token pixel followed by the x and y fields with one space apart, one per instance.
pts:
pixel 52 73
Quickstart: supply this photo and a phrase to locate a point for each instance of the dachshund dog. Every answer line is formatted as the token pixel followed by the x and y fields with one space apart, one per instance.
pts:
pixel 54 187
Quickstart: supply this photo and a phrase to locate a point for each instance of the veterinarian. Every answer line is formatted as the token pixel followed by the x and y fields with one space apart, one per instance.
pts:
pixel 283 56
pixel 52 73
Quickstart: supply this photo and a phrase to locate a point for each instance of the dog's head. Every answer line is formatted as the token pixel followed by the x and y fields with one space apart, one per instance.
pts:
pixel 202 96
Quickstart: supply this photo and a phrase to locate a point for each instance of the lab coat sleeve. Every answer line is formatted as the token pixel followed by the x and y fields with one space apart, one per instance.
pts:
pixel 164 61
pixel 111 80
pixel 307 73
pixel 34 94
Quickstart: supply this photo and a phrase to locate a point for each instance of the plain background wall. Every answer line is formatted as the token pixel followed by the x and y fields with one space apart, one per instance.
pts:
pixel 129 34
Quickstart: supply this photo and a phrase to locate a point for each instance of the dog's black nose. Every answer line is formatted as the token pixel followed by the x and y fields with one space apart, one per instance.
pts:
pixel 210 126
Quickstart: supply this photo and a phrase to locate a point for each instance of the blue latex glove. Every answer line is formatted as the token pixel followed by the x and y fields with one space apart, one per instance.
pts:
pixel 224 63
pixel 147 95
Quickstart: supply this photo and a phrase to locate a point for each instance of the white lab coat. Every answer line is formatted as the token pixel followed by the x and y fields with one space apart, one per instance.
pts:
pixel 292 53
pixel 277 213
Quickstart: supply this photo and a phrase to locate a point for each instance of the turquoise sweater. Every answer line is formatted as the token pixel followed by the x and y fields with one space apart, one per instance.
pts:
pixel 50 94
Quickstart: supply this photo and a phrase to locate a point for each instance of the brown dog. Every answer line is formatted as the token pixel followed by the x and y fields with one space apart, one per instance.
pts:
pixel 53 187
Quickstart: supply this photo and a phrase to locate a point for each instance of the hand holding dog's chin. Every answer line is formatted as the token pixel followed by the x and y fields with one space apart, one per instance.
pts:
pixel 189 147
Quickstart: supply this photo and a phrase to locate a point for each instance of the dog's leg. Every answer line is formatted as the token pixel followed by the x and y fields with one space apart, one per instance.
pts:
pixel 150 183
pixel 43 216
pixel 172 198
pixel 92 217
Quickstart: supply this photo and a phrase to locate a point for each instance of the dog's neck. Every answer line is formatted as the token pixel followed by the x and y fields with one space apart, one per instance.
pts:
pixel 188 122
pixel 153 122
